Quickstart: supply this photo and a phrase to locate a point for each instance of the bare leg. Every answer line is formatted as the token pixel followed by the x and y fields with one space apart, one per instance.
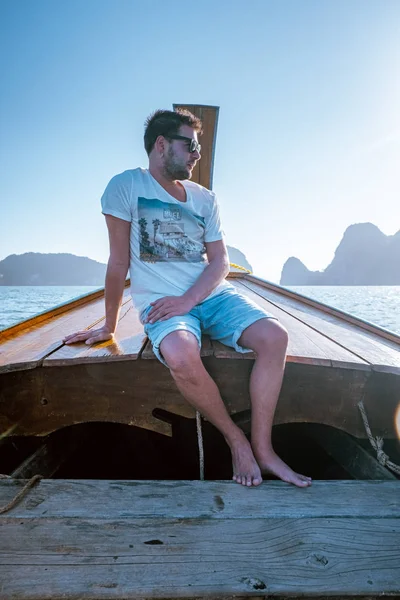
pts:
pixel 269 340
pixel 181 352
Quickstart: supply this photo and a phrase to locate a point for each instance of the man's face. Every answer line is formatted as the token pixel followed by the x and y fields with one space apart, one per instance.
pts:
pixel 178 160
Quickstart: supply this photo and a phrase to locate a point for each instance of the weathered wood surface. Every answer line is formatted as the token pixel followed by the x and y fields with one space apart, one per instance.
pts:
pixel 27 348
pixel 203 171
pixel 53 398
pixel 128 342
pixel 381 353
pixel 58 498
pixel 42 400
pixel 315 337
pixel 325 308
pixel 305 344
pixel 190 539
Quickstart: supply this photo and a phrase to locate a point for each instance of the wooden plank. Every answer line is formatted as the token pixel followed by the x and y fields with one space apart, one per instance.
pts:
pixel 203 171
pixel 30 345
pixel 305 344
pixel 201 499
pixel 121 556
pixel 42 400
pixel 343 316
pixel 148 558
pixel 145 559
pixel 52 398
pixel 383 354
pixel 206 349
pixel 127 345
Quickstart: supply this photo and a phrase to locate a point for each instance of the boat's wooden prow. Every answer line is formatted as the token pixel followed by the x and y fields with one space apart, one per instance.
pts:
pixel 333 362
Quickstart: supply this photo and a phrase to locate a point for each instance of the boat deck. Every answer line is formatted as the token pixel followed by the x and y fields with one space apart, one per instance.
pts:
pixel 319 335
pixel 181 539
pixel 334 360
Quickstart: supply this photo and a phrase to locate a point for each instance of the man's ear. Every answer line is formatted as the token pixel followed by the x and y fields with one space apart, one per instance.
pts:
pixel 160 144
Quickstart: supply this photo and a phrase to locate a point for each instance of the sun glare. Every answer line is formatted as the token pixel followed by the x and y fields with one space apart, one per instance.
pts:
pixel 397 421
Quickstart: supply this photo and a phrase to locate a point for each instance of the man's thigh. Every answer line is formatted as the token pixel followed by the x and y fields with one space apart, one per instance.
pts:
pixel 158 332
pixel 226 316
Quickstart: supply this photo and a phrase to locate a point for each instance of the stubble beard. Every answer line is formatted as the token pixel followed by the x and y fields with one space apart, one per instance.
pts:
pixel 173 170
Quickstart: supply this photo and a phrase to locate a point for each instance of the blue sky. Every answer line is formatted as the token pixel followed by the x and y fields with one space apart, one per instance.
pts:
pixel 309 129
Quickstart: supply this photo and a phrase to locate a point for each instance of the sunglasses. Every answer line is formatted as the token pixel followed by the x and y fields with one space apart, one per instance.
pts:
pixel 193 145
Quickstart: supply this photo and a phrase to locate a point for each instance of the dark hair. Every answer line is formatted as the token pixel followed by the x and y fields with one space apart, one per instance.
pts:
pixel 168 122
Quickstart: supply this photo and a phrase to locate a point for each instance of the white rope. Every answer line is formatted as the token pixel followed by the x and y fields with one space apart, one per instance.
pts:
pixel 21 494
pixel 200 444
pixel 377 443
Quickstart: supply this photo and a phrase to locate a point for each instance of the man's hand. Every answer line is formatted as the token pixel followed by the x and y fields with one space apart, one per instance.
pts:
pixel 167 307
pixel 90 336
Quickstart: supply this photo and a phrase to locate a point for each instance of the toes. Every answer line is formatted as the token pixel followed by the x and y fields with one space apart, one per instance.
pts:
pixel 301 480
pixel 304 479
pixel 247 480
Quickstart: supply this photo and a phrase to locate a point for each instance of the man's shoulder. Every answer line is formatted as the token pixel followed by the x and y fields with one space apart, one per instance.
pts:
pixel 131 175
pixel 199 190
pixel 129 180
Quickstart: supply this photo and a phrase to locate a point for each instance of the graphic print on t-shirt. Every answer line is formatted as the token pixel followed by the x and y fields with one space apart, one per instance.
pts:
pixel 169 232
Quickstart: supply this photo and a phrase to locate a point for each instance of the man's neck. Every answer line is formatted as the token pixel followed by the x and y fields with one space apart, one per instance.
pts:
pixel 172 186
pixel 162 180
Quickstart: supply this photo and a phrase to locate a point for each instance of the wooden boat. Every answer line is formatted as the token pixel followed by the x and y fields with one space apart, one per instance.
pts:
pixel 96 538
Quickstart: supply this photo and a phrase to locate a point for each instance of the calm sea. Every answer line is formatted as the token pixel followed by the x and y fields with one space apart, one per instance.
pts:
pixel 377 304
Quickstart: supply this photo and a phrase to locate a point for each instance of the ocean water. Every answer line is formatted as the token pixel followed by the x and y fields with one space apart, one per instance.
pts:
pixel 19 302
pixel 376 304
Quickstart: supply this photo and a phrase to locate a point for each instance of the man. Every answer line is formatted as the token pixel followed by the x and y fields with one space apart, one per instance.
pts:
pixel 167 230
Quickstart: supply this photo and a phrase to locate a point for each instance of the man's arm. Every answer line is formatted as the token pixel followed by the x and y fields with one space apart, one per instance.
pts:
pixel 213 274
pixel 117 268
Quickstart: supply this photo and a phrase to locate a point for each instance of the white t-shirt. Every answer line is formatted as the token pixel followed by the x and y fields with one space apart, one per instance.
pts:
pixel 167 251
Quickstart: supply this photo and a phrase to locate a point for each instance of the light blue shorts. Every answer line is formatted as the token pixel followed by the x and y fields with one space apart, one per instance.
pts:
pixel 223 317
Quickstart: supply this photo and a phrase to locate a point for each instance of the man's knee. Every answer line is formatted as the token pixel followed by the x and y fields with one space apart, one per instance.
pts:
pixel 266 336
pixel 181 352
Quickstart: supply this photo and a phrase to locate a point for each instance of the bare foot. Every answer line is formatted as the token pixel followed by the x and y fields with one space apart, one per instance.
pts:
pixel 270 463
pixel 245 468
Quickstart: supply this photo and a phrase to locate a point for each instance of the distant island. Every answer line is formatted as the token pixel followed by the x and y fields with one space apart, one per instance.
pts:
pixel 34 268
pixel 365 256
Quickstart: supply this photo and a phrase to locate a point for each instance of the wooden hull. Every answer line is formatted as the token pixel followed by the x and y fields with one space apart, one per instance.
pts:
pixel 42 400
